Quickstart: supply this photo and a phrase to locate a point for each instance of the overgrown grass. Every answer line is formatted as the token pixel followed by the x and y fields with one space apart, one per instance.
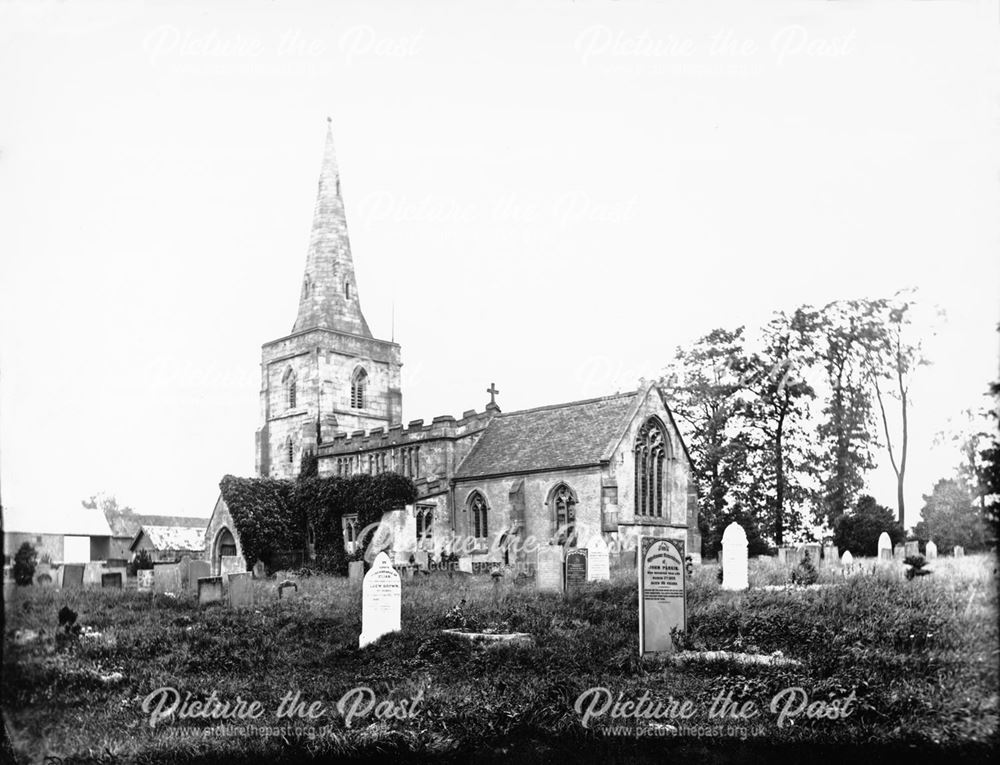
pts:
pixel 920 657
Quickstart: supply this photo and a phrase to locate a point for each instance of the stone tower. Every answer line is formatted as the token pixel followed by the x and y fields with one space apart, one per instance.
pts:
pixel 330 374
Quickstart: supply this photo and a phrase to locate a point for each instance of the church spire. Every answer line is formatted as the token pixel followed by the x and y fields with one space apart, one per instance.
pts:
pixel 329 297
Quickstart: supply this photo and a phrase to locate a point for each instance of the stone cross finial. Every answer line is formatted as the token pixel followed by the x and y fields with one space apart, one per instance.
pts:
pixel 492 390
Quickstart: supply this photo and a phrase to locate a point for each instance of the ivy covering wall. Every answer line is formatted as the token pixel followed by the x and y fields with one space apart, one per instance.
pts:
pixel 273 516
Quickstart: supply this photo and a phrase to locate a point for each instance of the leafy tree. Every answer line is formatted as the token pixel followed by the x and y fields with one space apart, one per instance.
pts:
pixel 859 531
pixel 847 433
pixel 950 517
pixel 108 504
pixel 779 411
pixel 24 564
pixel 309 467
pixel 705 385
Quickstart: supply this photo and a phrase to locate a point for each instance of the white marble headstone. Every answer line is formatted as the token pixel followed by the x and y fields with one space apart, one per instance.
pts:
pixel 735 571
pixel 884 546
pixel 958 551
pixel 381 598
pixel 465 564
pixel 931 550
pixel 598 559
pixel 847 559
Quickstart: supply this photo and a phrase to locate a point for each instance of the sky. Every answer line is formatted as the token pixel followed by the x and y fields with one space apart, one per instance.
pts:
pixel 550 196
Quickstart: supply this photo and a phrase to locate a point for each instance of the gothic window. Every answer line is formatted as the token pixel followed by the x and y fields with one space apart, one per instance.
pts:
pixel 650 456
pixel 477 504
pixel 425 517
pixel 359 383
pixel 291 386
pixel 564 507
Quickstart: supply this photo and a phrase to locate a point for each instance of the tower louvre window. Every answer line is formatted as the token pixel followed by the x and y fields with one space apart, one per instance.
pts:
pixel 291 388
pixel 347 290
pixel 289 450
pixel 359 384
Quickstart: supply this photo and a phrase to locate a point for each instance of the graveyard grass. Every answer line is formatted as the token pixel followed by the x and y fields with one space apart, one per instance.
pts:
pixel 921 657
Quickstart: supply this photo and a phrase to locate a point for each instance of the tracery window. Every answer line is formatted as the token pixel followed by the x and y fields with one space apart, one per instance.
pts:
pixel 291 388
pixel 650 459
pixel 564 507
pixel 477 504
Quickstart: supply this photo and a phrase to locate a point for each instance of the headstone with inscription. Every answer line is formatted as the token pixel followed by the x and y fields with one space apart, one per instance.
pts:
pixel 381 598
pixel 112 581
pixel 549 569
pixel 884 546
pixel 576 568
pixel 931 550
pixel 598 560
pixel 241 590
pixel 72 575
pixel 210 590
pixel 662 593
pixel 958 551
pixel 735 566
pixel 912 548
pixel 831 555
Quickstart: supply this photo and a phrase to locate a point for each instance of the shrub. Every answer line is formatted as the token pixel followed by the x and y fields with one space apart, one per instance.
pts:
pixel 24 564
pixel 141 562
pixel 859 530
pixel 805 573
pixel 915 566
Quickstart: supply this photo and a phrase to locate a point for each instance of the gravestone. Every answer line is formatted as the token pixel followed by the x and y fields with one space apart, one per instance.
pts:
pixel 813 551
pixel 112 581
pixel 598 560
pixel 259 570
pixel 629 560
pixel 288 589
pixel 356 570
pixel 241 590
pixel 198 569
pixel 958 551
pixel 662 593
pixel 831 555
pixel 381 598
pixel 735 565
pixel 884 546
pixel 144 579
pixel 420 559
pixel 465 564
pixel 184 566
pixel 209 590
pixel 122 572
pixel 549 569
pixel 576 568
pixel 232 564
pixel 92 573
pixel 931 550
pixel 847 559
pixel 167 578
pixel 912 548
pixel 72 575
pixel 899 551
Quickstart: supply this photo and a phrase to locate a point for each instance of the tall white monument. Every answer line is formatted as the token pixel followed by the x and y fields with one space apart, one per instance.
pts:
pixel 735 574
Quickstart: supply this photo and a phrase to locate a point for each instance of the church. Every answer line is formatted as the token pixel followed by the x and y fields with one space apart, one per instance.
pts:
pixel 492 485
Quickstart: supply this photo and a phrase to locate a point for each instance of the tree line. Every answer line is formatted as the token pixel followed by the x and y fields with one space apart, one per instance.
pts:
pixel 785 424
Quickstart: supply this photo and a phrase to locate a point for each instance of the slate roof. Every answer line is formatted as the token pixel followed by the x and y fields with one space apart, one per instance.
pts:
pixel 549 437
pixel 129 525
pixel 173 537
